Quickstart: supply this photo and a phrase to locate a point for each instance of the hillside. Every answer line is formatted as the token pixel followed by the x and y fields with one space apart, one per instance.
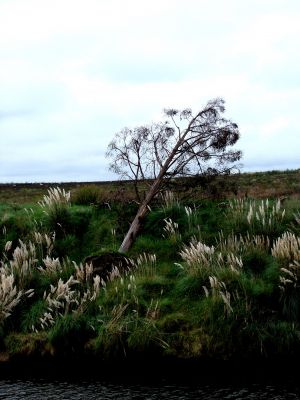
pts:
pixel 208 278
pixel 258 184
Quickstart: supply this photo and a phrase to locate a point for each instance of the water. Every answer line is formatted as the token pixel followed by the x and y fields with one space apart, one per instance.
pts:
pixel 140 380
pixel 37 389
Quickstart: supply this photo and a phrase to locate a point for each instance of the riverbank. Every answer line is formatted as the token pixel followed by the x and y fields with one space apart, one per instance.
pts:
pixel 206 282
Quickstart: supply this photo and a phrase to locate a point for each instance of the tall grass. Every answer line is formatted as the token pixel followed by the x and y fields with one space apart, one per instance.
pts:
pixel 203 279
pixel 55 205
pixel 259 217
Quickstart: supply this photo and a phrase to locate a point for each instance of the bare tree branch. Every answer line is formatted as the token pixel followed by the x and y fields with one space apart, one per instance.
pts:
pixel 163 151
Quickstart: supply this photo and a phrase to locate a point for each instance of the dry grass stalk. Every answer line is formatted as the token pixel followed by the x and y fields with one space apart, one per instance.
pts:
pixel 297 217
pixel 153 310
pixel 257 214
pixel 190 216
pixel 238 206
pixel 116 314
pixel 231 243
pixel 10 296
pixel 89 295
pixel 169 199
pixel 56 196
pixel 59 300
pixel 125 291
pixel 286 248
pixel 234 262
pixel 51 266
pixel 7 246
pixel 197 255
pixel 265 215
pixel 188 210
pixel 200 257
pixel 114 274
pixel 171 230
pixel 44 241
pixel 238 244
pixel 61 297
pixel 261 242
pixel 218 290
pixel 145 264
pixel 5 256
pixel 290 276
pixel 84 272
pixel 62 300
pixel 23 262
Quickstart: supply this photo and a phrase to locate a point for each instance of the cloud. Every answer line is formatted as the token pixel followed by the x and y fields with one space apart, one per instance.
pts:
pixel 15 114
pixel 72 73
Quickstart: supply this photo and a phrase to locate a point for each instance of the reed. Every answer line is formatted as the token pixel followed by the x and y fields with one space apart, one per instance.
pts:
pixel 286 248
pixel 218 290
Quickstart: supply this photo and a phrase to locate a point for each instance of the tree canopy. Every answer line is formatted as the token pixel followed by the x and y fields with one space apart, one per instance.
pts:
pixel 185 144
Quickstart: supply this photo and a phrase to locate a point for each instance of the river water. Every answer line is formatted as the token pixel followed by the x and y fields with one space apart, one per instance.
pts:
pixel 42 389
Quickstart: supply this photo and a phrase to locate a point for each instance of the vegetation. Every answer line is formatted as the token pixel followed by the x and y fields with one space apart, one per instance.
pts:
pixel 185 145
pixel 208 278
pixel 270 184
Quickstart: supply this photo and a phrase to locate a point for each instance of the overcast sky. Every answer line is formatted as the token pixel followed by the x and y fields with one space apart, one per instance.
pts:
pixel 75 72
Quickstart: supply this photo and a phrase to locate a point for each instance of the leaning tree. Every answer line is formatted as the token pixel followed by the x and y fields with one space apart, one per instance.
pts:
pixel 186 144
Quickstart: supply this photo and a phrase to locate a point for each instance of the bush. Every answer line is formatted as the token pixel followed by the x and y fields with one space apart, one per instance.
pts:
pixel 86 195
pixel 190 287
pixel 79 220
pixel 112 338
pixel 145 338
pixel 30 318
pixel 68 246
pixel 256 261
pixel 70 333
pixel 14 225
pixel 56 207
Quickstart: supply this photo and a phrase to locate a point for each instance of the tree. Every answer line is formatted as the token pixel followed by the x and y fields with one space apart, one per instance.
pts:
pixel 183 145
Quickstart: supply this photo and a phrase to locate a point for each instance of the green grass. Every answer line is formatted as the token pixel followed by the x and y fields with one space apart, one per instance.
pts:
pixel 213 307
pixel 70 333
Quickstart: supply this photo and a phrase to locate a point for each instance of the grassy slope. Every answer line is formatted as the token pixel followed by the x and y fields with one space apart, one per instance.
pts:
pixel 229 299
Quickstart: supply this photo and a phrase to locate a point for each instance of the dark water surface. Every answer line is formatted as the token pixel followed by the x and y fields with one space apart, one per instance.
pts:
pixel 151 381
pixel 41 389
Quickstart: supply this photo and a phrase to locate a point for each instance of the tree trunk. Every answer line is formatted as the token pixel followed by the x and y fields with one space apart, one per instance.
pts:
pixel 136 224
pixel 142 211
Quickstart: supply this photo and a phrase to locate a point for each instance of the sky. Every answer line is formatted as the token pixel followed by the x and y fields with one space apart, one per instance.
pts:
pixel 75 72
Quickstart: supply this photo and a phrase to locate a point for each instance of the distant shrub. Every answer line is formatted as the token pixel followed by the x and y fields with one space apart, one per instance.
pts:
pixel 86 195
